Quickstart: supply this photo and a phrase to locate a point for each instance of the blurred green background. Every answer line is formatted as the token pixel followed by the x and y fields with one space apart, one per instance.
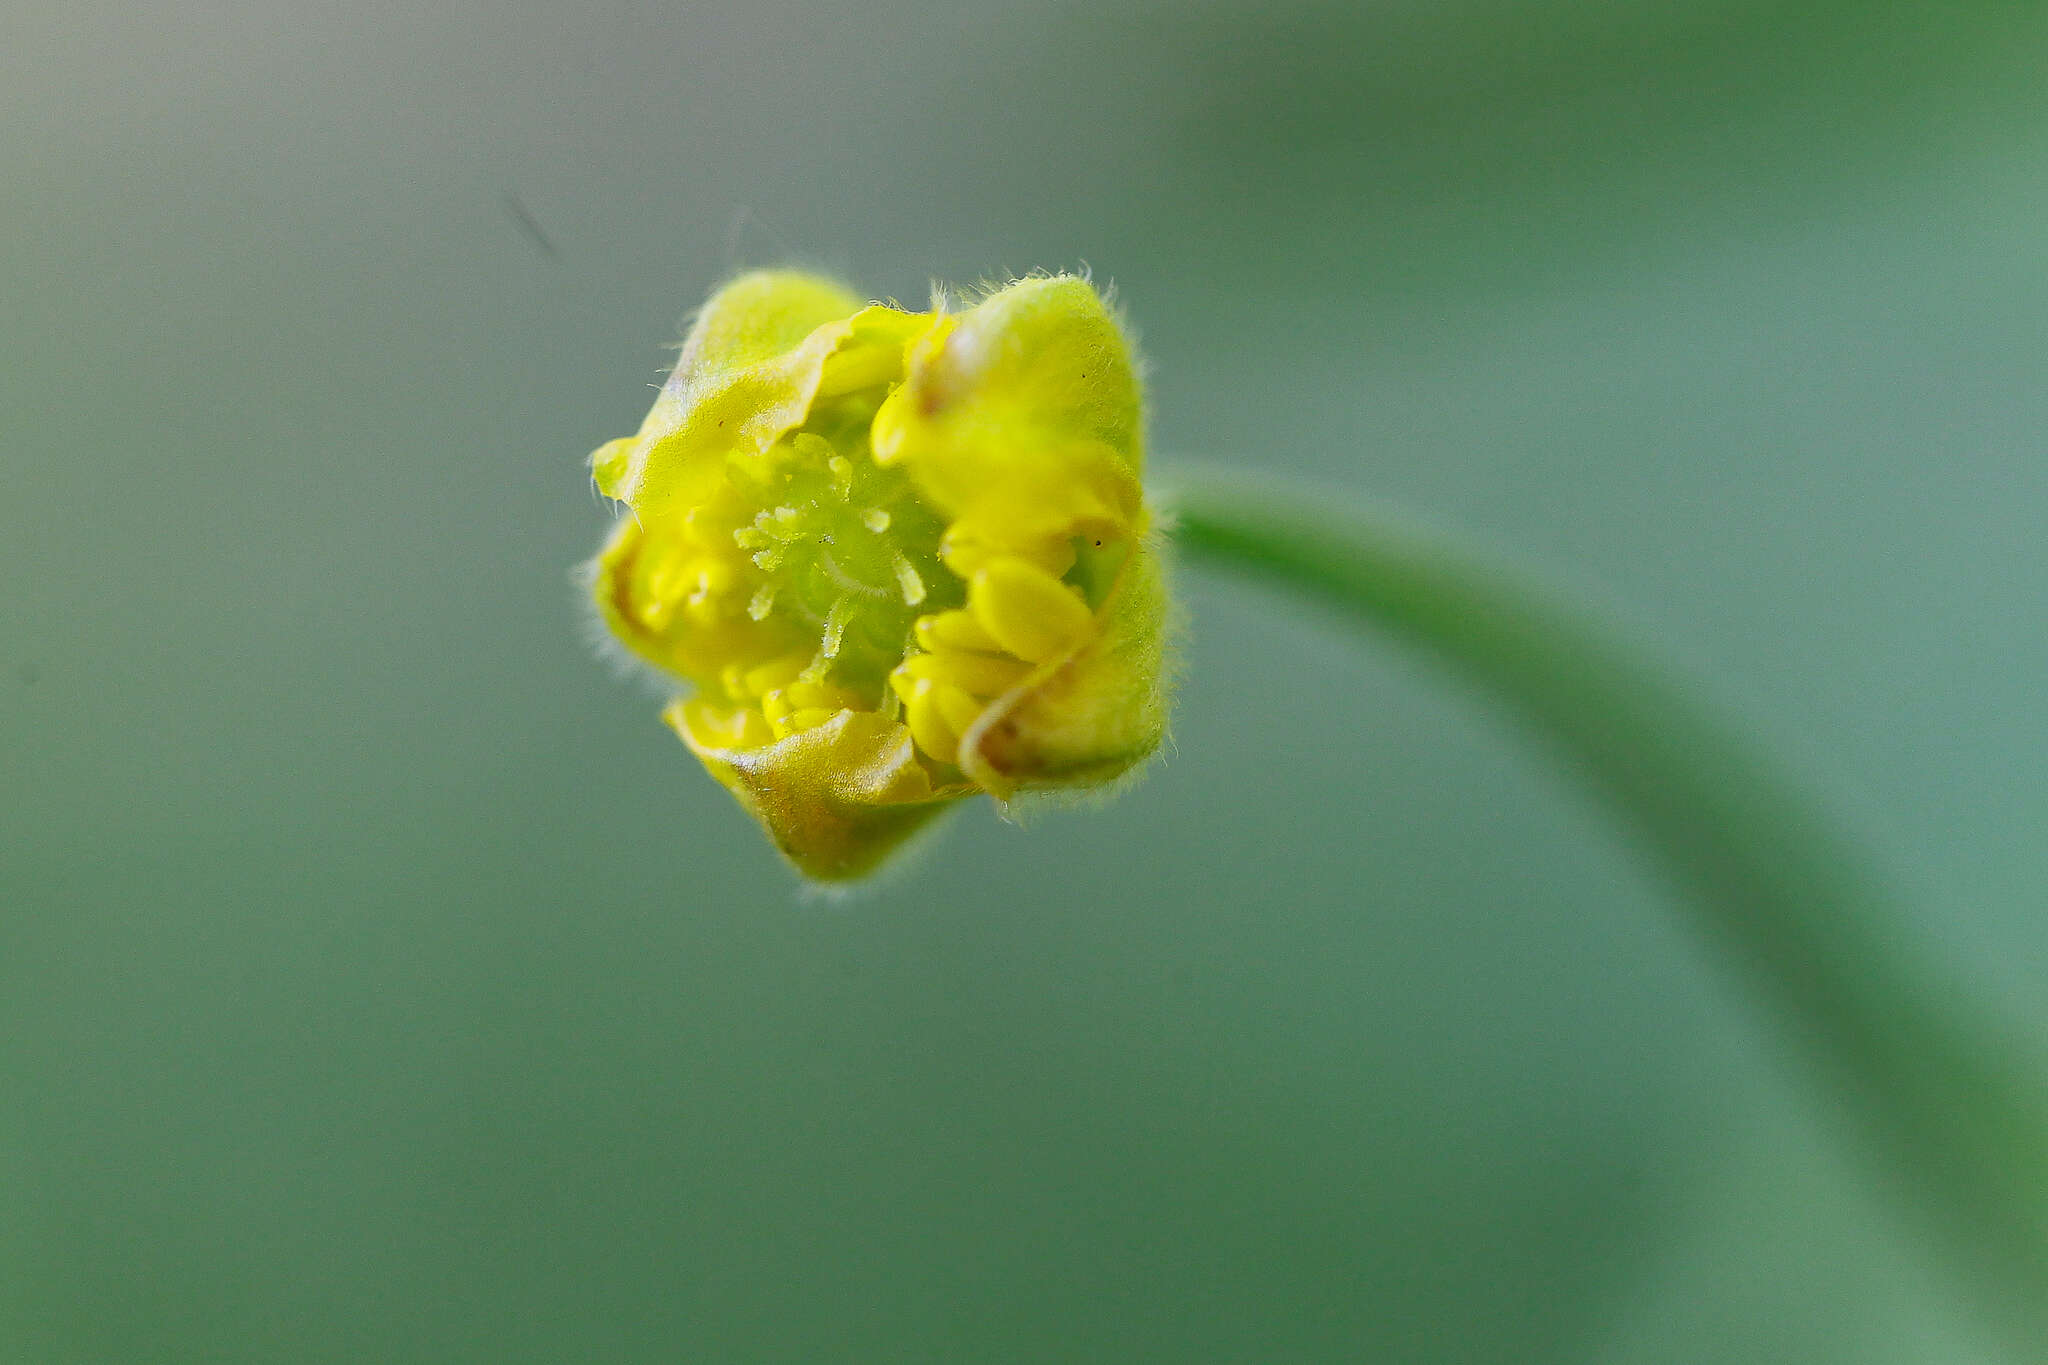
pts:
pixel 379 981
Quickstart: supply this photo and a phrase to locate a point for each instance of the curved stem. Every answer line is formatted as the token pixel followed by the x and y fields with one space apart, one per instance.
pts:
pixel 1956 1106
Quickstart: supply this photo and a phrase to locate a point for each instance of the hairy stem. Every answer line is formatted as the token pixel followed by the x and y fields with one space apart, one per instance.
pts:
pixel 1953 1102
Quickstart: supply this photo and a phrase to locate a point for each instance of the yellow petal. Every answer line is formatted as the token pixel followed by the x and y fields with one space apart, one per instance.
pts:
pixel 1020 417
pixel 626 581
pixel 837 798
pixel 1094 715
pixel 753 364
pixel 816 473
pixel 756 317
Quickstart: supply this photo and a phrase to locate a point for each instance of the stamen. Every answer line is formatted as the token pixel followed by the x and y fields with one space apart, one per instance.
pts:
pixel 928 724
pixel 959 710
pixel 1030 613
pixel 875 519
pixel 954 630
pixel 984 675
pixel 776 673
pixel 763 602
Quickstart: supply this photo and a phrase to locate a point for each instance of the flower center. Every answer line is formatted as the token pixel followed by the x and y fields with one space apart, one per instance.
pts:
pixel 843 554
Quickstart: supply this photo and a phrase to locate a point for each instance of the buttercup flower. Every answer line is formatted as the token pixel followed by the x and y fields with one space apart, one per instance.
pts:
pixel 901 558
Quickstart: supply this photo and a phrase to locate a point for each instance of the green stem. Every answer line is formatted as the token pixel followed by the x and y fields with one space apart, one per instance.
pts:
pixel 1955 1104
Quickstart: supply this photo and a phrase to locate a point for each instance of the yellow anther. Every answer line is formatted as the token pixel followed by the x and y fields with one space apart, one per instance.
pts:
pixel 875 519
pixel 985 675
pixel 1029 612
pixel 928 724
pixel 1054 556
pixel 963 556
pixel 741 725
pixel 732 680
pixel 750 727
pixel 762 602
pixel 809 692
pixel 956 708
pixel 776 705
pixel 764 678
pixel 842 474
pixel 954 630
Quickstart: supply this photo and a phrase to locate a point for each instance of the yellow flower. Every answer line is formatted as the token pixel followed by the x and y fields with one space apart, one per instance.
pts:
pixel 902 558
